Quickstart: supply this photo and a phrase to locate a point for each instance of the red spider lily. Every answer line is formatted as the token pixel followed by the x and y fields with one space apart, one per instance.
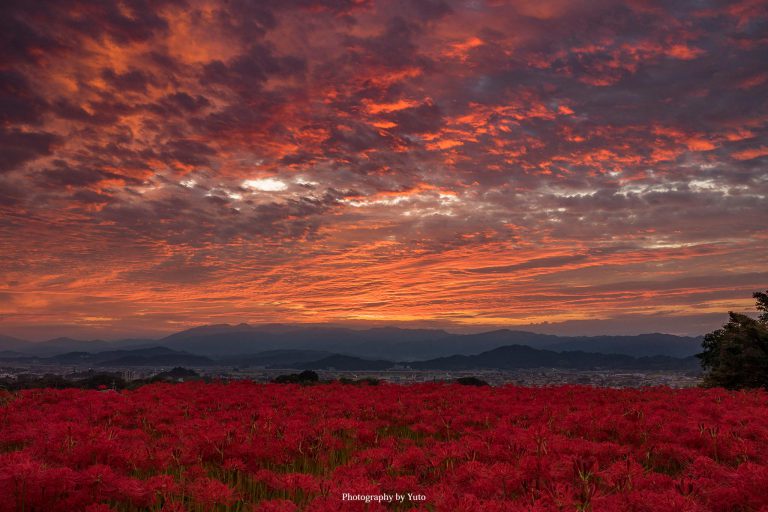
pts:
pixel 98 507
pixel 210 492
pixel 246 446
pixel 276 506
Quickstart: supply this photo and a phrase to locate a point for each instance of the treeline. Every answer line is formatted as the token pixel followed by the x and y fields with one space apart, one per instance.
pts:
pixel 99 380
pixel 736 355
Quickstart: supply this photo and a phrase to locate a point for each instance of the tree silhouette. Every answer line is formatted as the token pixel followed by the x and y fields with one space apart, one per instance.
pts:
pixel 736 356
pixel 762 305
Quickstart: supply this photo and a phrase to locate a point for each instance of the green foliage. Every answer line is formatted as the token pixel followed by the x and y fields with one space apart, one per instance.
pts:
pixel 736 356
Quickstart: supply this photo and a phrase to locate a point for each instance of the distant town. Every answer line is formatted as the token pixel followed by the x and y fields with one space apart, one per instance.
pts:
pixel 530 377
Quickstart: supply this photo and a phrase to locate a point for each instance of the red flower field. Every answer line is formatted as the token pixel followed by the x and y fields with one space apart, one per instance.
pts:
pixel 244 446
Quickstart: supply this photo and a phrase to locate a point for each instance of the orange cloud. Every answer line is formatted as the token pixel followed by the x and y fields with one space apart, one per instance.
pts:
pixel 749 154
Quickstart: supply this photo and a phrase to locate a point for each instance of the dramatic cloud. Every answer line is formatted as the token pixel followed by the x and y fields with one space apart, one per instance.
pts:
pixel 449 163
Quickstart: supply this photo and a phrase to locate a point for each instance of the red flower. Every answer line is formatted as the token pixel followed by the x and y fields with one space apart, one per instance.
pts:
pixel 210 492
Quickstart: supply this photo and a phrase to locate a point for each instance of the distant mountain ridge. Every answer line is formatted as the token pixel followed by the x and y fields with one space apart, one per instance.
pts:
pixel 508 357
pixel 155 356
pixel 520 356
pixel 386 343
pixel 511 357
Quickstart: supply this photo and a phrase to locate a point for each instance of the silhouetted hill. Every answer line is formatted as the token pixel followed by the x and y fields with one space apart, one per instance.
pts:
pixel 72 358
pixel 228 343
pixel 64 345
pixel 640 345
pixel 99 357
pixel 520 356
pixel 208 330
pixel 240 331
pixel 224 340
pixel 159 360
pixel 11 354
pixel 154 356
pixel 468 344
pixel 275 358
pixel 11 344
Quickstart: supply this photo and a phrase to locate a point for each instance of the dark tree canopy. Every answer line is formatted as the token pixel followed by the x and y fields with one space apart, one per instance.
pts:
pixel 762 305
pixel 471 381
pixel 736 356
pixel 305 377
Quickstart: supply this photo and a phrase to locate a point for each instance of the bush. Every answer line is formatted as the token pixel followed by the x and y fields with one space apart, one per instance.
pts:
pixel 471 381
pixel 101 381
pixel 305 377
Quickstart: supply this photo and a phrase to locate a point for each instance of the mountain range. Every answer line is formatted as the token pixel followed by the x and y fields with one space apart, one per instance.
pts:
pixel 243 341
pixel 511 357
pixel 154 356
pixel 502 358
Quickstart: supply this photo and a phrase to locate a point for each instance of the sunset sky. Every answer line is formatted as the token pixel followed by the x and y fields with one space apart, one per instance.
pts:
pixel 601 166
